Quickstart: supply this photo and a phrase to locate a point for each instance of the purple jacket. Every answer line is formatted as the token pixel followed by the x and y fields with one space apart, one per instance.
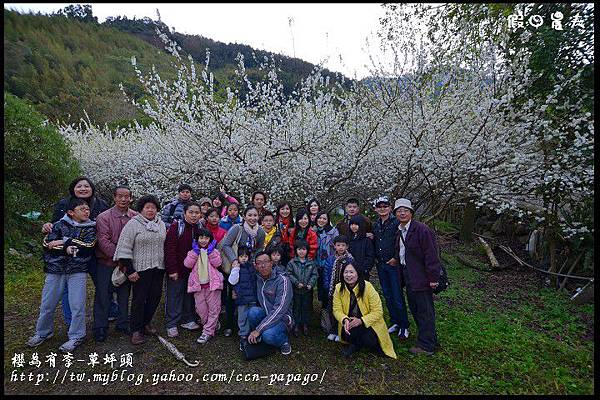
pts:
pixel 422 260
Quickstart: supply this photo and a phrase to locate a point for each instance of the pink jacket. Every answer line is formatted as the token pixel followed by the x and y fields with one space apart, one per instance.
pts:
pixel 224 208
pixel 214 275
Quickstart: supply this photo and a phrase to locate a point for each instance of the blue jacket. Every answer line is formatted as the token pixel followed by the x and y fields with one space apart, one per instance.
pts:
pixel 385 239
pixel 326 248
pixel 97 206
pixel 172 211
pixel 275 297
pixel 226 222
pixel 246 286
pixel 82 235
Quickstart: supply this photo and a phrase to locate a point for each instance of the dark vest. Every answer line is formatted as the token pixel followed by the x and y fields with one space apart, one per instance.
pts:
pixel 246 286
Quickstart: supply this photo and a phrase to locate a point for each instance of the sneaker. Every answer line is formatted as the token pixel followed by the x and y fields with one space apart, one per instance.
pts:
pixel 393 328
pixel 191 326
pixel 36 340
pixel 70 345
pixel 227 332
pixel 336 338
pixel 172 332
pixel 203 338
pixel 242 341
pixel 403 334
pixel 286 348
pixel 417 350
pixel 331 337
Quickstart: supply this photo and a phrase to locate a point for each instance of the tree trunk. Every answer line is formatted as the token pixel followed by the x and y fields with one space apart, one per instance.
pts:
pixel 490 254
pixel 552 250
pixel 468 223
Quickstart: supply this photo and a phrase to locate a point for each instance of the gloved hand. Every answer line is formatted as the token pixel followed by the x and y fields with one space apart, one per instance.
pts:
pixel 195 246
pixel 211 246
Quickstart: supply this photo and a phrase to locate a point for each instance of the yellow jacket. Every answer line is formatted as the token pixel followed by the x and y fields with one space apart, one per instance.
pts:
pixel 372 313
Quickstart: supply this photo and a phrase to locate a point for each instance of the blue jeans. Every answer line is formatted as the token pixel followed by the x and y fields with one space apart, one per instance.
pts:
pixel 389 279
pixel 276 335
pixel 92 270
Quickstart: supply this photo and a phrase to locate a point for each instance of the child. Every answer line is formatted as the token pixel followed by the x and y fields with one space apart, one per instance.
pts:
pixel 302 231
pixel 332 277
pixel 243 279
pixel 272 234
pixel 303 277
pixel 232 218
pixel 206 282
pixel 212 224
pixel 68 249
pixel 276 254
pixel 221 201
pixel 361 247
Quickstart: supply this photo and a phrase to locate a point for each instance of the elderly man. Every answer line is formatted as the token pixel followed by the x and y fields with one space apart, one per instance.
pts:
pixel 272 320
pixel 420 273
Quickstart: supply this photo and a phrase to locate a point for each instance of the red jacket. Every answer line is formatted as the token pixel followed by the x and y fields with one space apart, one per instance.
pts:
pixel 311 239
pixel 177 247
pixel 217 232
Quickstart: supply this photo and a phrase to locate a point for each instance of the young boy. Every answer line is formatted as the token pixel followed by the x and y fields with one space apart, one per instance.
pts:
pixel 276 253
pixel 361 247
pixel 332 277
pixel 303 277
pixel 68 249
pixel 243 279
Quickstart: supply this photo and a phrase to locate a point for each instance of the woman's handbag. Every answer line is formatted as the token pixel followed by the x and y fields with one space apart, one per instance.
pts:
pixel 118 277
pixel 225 263
pixel 258 350
pixel 326 323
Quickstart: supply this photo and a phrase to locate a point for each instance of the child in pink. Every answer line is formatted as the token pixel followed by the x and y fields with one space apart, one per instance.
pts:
pixel 205 281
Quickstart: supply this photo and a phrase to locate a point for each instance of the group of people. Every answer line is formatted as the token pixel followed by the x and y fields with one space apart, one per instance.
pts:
pixel 263 266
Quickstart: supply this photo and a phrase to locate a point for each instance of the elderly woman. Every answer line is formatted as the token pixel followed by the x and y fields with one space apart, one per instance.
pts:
pixel 140 253
pixel 357 307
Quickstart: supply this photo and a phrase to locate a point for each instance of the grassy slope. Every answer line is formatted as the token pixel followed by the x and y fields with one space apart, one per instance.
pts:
pixel 499 334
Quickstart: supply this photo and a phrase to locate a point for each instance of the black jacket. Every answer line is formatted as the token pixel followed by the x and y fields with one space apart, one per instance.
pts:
pixel 361 247
pixel 385 239
pixel 82 235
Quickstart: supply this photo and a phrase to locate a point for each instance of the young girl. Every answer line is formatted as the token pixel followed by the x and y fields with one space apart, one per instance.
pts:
pixel 221 201
pixel 212 224
pixel 285 223
pixel 302 231
pixel 303 277
pixel 206 282
pixel 361 247
pixel 325 233
pixel 243 279
pixel 313 208
pixel 276 253
pixel 232 218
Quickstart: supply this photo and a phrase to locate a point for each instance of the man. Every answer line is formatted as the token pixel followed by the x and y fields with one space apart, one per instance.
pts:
pixel 420 273
pixel 384 232
pixel 352 209
pixel 109 225
pixel 174 209
pixel 272 320
pixel 259 199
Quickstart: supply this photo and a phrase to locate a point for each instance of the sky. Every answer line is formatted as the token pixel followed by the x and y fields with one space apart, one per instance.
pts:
pixel 334 34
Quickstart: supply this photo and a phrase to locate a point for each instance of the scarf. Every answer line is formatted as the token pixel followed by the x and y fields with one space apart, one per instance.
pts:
pixel 354 310
pixel 335 274
pixel 252 232
pixel 151 225
pixel 202 267
pixel 269 235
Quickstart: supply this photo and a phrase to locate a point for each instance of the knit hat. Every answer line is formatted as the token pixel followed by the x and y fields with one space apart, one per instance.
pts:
pixel 403 203
pixel 205 200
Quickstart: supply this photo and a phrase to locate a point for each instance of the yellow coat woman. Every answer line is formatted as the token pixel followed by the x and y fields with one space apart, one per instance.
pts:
pixel 372 313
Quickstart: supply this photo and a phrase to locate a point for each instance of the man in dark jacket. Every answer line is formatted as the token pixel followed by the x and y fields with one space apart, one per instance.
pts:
pixel 420 273
pixel 352 209
pixel 384 232
pixel 174 209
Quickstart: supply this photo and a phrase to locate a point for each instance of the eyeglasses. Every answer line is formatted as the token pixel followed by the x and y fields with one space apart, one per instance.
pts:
pixel 263 262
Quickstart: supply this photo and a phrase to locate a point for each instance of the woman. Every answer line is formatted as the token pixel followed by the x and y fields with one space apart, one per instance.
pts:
pixel 302 231
pixel 221 200
pixel 140 253
pixel 313 206
pixel 250 235
pixel 81 188
pixel 325 233
pixel 285 224
pixel 357 308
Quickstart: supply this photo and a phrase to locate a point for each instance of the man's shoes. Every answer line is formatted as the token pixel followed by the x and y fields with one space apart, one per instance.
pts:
pixel 100 335
pixel 393 328
pixel 192 326
pixel 36 340
pixel 172 332
pixel 138 338
pixel 125 331
pixel 331 336
pixel 417 350
pixel 227 332
pixel 403 334
pixel 349 350
pixel 286 348
pixel 70 345
pixel 150 330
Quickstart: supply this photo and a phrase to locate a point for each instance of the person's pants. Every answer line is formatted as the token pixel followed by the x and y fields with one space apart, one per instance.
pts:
pixel 179 304
pixel 147 292
pixel 303 305
pixel 360 336
pixel 243 322
pixel 103 299
pixel 423 311
pixel 208 307
pixel 92 270
pixel 51 294
pixel 227 299
pixel 321 290
pixel 275 335
pixel 392 292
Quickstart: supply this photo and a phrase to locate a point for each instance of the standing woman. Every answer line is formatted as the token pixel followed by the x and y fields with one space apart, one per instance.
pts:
pixel 221 200
pixel 81 188
pixel 259 199
pixel 250 235
pixel 285 224
pixel 313 206
pixel 140 252
pixel 302 231
pixel 325 233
